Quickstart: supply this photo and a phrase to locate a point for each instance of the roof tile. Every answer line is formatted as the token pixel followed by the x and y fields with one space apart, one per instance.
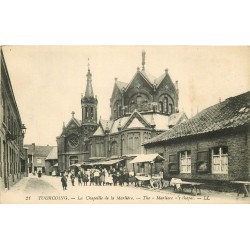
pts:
pixel 233 112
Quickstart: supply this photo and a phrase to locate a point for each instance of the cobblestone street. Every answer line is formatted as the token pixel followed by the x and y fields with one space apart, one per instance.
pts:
pixel 49 190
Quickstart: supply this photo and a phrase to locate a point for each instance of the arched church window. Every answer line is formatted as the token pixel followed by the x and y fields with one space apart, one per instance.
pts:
pixel 114 150
pixel 161 106
pixel 132 106
pixel 86 112
pixel 139 102
pixel 120 111
pixel 116 110
pixel 170 108
pixel 86 146
pixel 165 105
pixel 145 105
pixel 91 112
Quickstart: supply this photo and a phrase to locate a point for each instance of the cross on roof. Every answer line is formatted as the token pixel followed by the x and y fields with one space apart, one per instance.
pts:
pixel 73 113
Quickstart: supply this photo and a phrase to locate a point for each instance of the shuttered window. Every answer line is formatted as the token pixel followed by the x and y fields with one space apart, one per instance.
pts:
pixel 203 161
pixel 173 164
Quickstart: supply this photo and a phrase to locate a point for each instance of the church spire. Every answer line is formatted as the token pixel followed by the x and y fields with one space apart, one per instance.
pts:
pixel 89 89
pixel 143 59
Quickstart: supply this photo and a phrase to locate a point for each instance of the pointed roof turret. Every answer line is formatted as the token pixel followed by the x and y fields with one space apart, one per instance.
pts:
pixel 89 90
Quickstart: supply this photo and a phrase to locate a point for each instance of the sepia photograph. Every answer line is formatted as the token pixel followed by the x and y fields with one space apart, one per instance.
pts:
pixel 125 124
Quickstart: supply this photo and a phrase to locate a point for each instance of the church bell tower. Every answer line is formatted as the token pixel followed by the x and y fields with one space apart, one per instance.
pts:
pixel 89 107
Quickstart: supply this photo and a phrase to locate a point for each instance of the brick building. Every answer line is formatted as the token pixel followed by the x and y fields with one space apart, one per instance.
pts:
pixel 213 146
pixel 12 153
pixel 37 156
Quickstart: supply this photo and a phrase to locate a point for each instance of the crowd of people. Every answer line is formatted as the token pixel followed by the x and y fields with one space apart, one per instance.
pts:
pixel 97 177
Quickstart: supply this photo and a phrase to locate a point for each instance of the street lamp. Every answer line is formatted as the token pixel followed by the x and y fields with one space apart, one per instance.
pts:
pixel 10 137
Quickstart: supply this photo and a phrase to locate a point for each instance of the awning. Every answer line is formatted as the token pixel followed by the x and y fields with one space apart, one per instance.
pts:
pixel 109 163
pixel 75 165
pixel 130 155
pixel 148 158
pixel 96 158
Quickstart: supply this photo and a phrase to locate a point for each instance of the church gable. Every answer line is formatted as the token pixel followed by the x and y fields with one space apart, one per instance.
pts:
pixel 99 132
pixel 136 124
pixel 136 121
pixel 73 123
pixel 166 85
pixel 139 83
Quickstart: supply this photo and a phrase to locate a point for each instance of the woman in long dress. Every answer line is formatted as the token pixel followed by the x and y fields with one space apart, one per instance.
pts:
pixel 108 178
pixel 102 177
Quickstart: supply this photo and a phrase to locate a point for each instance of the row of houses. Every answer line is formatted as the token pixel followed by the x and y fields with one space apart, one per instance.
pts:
pixel 12 130
pixel 17 159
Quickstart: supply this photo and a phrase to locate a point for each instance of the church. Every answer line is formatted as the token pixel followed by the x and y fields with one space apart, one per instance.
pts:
pixel 140 109
pixel 73 143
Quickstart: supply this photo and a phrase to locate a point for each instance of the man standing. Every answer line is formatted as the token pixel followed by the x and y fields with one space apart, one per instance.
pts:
pixel 64 182
pixel 72 177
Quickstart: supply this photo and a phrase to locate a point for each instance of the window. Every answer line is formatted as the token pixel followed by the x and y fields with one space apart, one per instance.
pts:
pixel 165 100
pixel 145 105
pixel 120 111
pixel 114 148
pixel 86 146
pixel 99 149
pixel 38 160
pixel 132 106
pixel 203 161
pixel 185 162
pixel 139 102
pixel 170 108
pixel 161 106
pixel 73 141
pixel 91 113
pixel 134 145
pixel 86 112
pixel 220 160
pixel 173 164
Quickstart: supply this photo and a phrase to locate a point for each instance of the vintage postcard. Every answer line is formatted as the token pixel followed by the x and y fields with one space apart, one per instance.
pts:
pixel 125 124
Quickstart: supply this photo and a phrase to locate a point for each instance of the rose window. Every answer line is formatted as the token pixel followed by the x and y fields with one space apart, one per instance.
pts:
pixel 73 141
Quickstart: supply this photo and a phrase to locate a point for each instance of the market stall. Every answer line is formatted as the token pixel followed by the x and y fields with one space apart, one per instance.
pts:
pixel 149 159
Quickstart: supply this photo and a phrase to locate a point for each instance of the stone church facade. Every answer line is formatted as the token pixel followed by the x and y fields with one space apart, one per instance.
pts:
pixel 140 110
pixel 73 143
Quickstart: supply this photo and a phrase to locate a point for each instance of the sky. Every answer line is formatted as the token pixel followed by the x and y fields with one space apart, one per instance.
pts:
pixel 48 80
